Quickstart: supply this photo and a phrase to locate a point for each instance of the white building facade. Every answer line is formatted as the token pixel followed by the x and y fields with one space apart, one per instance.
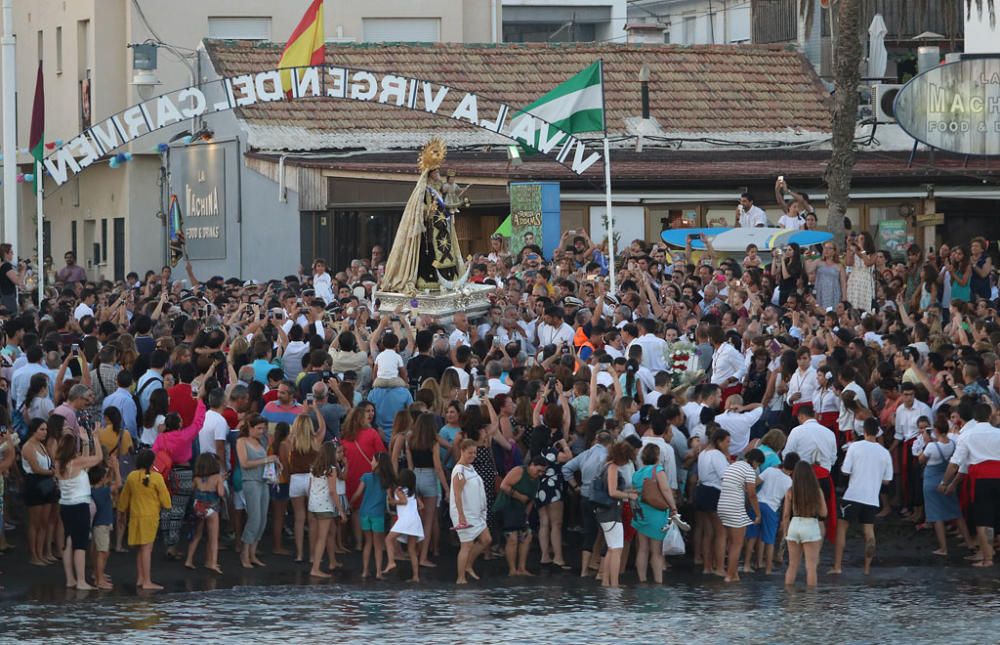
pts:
pixel 696 22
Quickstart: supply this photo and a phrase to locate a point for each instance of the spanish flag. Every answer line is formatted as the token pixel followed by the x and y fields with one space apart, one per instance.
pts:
pixel 306 44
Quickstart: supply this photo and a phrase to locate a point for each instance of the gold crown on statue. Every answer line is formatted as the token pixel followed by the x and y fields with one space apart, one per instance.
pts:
pixel 432 156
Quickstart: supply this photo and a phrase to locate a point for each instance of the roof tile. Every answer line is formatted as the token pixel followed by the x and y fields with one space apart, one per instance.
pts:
pixel 693 89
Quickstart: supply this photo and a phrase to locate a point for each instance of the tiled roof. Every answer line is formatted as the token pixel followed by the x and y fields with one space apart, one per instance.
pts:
pixel 661 169
pixel 693 89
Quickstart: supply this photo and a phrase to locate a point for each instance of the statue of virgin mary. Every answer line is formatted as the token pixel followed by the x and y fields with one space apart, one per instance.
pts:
pixel 426 242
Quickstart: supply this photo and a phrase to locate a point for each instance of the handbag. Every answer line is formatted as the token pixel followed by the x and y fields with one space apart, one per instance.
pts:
pixel 652 495
pixel 48 489
pixel 270 474
pixel 126 461
pixel 673 541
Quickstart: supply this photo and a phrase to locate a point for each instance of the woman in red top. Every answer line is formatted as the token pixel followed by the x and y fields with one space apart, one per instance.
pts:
pixel 361 442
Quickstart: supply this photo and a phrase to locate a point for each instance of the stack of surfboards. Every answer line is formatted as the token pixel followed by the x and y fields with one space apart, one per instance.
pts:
pixel 733 242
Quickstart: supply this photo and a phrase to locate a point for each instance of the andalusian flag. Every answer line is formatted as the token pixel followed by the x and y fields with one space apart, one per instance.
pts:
pixel 574 106
pixel 36 138
pixel 306 44
pixel 175 231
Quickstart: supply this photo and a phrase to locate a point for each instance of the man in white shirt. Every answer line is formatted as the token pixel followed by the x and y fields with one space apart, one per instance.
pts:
pixel 553 330
pixel 907 414
pixel 659 435
pixel 213 434
pixel 977 455
pixel 814 443
pixel 728 366
pixel 704 396
pixel 748 215
pixel 869 466
pixel 86 306
pixel 493 371
pixel 738 419
pixel 661 386
pixel 322 282
pixel 460 335
pixel 652 346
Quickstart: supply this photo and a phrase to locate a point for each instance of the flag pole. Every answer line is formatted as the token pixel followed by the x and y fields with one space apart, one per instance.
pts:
pixel 40 267
pixel 607 189
pixel 9 97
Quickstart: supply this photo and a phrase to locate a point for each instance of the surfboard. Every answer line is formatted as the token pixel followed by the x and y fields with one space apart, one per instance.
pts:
pixel 736 240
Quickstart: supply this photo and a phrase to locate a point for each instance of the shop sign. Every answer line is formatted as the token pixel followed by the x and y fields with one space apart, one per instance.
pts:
pixel 954 107
pixel 201 170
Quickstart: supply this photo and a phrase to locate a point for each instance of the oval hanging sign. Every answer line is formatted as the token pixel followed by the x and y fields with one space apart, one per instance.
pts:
pixel 954 107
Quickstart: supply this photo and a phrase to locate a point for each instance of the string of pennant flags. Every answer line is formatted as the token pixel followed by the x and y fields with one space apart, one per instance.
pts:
pixel 113 161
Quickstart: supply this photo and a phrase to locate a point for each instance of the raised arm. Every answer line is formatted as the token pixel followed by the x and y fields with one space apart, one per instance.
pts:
pixel 779 196
pixel 190 274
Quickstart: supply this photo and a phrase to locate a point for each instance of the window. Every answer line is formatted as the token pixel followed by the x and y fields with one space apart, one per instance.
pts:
pixel 58 50
pixel 41 46
pixel 541 32
pixel 104 241
pixel 401 29
pixel 72 237
pixel 82 49
pixel 240 28
pixel 689 25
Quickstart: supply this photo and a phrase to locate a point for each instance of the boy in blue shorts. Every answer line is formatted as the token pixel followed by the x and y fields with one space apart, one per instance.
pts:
pixel 775 482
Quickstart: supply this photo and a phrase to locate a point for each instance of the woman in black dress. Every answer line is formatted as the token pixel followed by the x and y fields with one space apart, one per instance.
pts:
pixel 549 440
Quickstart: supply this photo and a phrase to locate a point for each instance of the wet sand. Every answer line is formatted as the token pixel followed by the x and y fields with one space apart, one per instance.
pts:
pixel 900 549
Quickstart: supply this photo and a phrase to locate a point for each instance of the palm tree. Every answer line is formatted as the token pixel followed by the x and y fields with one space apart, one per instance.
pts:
pixel 847 55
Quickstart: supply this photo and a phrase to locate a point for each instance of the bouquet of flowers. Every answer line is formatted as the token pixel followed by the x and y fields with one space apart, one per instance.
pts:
pixel 682 362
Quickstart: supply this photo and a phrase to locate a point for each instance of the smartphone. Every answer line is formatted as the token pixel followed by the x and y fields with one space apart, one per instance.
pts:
pixel 74 348
pixel 309 398
pixel 781 178
pixel 774 346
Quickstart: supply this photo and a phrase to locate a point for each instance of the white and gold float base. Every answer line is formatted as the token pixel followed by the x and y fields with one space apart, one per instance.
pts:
pixel 473 299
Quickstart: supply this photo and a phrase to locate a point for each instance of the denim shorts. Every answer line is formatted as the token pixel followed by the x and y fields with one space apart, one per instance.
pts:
pixel 279 492
pixel 427 482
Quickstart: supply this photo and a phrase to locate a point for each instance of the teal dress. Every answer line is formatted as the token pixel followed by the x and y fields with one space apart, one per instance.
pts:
pixel 653 520
pixel 960 292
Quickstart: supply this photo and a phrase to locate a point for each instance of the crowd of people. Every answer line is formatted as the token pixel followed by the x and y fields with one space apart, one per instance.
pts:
pixel 770 401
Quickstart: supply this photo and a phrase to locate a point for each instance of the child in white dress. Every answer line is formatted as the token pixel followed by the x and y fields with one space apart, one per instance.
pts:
pixel 408 527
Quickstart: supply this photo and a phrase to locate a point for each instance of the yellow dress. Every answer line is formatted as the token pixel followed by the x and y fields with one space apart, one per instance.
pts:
pixel 143 503
pixel 109 440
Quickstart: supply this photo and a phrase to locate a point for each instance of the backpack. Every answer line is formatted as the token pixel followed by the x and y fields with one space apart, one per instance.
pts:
pixel 137 399
pixel 599 495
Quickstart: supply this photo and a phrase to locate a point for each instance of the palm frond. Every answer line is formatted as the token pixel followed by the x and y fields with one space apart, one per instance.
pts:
pixel 990 6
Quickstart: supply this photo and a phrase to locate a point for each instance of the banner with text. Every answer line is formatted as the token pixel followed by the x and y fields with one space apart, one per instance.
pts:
pixel 101 139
